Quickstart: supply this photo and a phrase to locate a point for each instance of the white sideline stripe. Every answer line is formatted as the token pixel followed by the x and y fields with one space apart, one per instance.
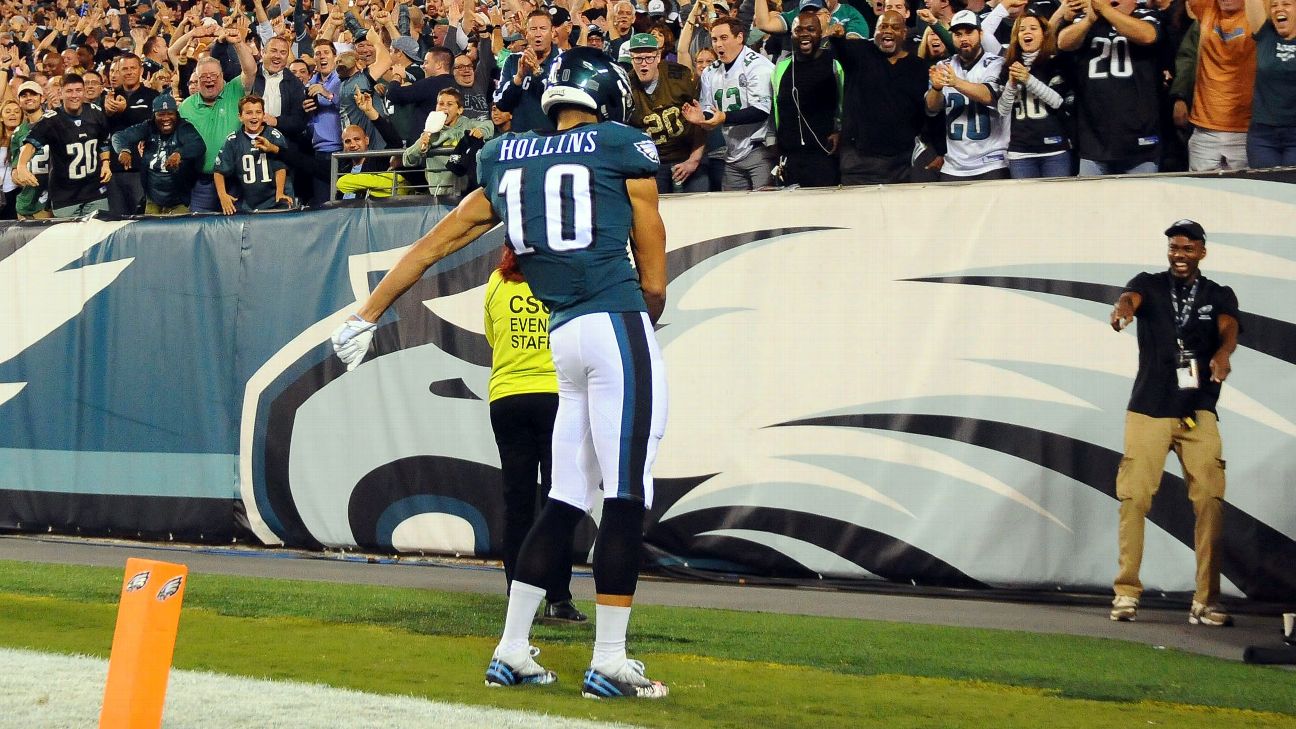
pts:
pixel 51 691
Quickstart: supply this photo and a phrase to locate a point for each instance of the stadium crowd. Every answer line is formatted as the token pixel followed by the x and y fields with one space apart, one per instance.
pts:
pixel 140 106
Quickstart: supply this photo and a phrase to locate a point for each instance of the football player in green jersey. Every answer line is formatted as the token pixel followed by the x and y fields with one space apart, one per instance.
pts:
pixel 547 188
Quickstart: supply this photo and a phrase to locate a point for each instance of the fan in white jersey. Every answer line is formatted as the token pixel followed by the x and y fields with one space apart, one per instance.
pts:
pixel 736 96
pixel 967 87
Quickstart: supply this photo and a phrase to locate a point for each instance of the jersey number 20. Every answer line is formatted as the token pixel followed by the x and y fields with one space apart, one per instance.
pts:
pixel 85 158
pixel 568 209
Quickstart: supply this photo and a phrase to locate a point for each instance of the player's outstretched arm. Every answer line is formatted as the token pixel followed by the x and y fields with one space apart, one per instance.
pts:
pixel 469 221
pixel 648 237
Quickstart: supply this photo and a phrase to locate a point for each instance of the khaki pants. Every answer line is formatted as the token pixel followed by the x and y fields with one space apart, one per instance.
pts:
pixel 1147 441
pixel 152 208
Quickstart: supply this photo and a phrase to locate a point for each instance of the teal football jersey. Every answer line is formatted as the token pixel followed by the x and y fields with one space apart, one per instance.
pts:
pixel 562 197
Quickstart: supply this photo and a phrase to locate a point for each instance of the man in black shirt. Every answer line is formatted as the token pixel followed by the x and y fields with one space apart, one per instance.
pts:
pixel 1188 328
pixel 882 102
pixel 1117 78
pixel 77 137
pixel 884 110
pixel 173 155
pixel 129 104
pixel 807 106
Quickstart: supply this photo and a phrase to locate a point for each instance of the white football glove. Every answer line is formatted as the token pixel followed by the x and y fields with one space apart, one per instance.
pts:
pixel 351 340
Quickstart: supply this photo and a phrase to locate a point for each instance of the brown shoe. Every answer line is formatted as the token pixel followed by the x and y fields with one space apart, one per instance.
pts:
pixel 1124 608
pixel 1212 615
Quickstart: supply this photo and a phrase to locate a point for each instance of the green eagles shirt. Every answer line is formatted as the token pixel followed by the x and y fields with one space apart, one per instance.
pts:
pixel 31 200
pixel 562 197
pixel 250 173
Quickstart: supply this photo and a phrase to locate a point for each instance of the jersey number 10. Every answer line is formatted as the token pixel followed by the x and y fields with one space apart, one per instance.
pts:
pixel 568 209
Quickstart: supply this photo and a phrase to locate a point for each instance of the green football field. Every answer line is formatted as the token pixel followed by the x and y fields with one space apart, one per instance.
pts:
pixel 725 668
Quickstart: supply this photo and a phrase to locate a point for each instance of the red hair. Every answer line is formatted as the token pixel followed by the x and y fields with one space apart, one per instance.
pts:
pixel 508 266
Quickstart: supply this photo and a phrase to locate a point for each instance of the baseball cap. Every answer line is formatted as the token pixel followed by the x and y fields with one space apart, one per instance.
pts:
pixel 642 42
pixel 164 102
pixel 592 29
pixel 408 46
pixel 810 4
pixel 31 86
pixel 1189 229
pixel 656 7
pixel 558 15
pixel 348 60
pixel 721 4
pixel 965 18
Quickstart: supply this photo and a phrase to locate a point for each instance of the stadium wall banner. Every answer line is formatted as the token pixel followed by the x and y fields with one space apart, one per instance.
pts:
pixel 916 384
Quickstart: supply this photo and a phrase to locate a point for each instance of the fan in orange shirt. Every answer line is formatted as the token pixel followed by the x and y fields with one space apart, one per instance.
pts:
pixel 1226 63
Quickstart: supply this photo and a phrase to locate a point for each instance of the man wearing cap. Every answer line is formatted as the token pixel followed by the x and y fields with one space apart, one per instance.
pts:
pixel 522 77
pixel 33 200
pixel 594 38
pixel 563 35
pixel 1187 331
pixel 660 96
pixel 843 20
pixel 358 75
pixel 735 98
pixel 413 102
pixel 173 154
pixel 127 105
pixel 967 88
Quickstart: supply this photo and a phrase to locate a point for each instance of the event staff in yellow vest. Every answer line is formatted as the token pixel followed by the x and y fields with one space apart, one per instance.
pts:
pixel 523 404
pixel 1187 330
pixel 736 98
pixel 808 105
pixel 661 90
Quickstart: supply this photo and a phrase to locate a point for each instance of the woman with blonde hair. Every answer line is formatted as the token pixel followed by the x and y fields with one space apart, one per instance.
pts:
pixel 932 48
pixel 1034 99
pixel 11 117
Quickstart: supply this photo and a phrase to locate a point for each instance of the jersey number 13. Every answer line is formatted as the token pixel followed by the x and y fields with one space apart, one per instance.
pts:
pixel 568 209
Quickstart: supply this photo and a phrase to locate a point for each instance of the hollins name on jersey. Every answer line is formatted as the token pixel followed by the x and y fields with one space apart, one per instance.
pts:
pixel 525 148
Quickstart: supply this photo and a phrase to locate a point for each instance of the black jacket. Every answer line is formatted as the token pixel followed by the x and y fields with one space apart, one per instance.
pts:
pixel 292 120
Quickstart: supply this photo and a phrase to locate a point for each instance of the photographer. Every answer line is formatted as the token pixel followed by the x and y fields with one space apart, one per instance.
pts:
pixel 441 180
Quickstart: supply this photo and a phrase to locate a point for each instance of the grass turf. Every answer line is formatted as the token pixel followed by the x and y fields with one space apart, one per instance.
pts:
pixel 726 668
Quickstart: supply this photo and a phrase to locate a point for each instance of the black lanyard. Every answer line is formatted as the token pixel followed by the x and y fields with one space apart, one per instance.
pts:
pixel 1183 310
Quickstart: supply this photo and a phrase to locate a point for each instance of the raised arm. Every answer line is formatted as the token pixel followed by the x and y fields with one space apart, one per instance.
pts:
pixel 465 224
pixel 1137 30
pixel 247 62
pixel 1256 15
pixel 772 23
pixel 1072 36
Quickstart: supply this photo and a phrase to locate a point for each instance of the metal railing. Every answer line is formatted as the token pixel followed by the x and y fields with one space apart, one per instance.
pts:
pixel 400 177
